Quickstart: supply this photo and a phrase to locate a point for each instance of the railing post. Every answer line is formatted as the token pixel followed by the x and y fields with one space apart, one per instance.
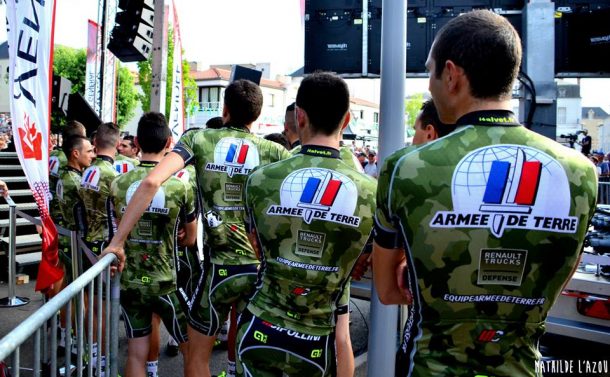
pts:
pixel 12 300
pixel 115 289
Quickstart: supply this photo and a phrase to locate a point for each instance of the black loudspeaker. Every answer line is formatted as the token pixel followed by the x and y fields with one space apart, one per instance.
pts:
pixel 333 36
pixel 80 110
pixel 132 37
pixel 583 42
pixel 244 73
pixel 60 92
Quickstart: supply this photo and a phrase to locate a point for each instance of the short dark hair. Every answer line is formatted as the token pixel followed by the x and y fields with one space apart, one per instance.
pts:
pixel 325 99
pixel 71 143
pixel 107 135
pixel 130 138
pixel 486 46
pixel 214 123
pixel 73 127
pixel 290 107
pixel 429 115
pixel 279 139
pixel 244 100
pixel 153 132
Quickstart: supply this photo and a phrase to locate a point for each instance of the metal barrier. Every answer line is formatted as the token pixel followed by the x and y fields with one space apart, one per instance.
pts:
pixel 37 323
pixel 12 300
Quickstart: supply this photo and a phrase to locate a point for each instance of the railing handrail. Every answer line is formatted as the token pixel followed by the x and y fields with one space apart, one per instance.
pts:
pixel 27 328
pixel 9 200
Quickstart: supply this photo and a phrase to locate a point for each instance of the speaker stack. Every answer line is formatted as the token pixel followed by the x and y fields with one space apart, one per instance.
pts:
pixel 132 37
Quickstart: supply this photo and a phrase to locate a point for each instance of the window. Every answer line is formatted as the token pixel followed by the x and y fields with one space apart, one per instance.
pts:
pixel 561 115
pixel 376 117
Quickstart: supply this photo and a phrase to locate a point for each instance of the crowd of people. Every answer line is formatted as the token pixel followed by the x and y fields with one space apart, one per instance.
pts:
pixel 476 227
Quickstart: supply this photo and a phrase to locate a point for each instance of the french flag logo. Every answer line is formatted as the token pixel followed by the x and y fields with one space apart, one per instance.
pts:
pixel 320 193
pixel 53 163
pixel 90 176
pixel 516 192
pixel 237 154
pixel 122 167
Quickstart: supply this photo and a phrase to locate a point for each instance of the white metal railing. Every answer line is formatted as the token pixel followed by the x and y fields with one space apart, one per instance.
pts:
pixel 36 325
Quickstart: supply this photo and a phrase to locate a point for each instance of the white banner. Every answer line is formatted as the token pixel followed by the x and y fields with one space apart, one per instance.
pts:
pixel 176 112
pixel 108 113
pixel 92 75
pixel 30 38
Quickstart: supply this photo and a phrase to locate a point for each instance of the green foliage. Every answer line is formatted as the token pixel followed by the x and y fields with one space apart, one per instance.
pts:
pixel 127 96
pixel 189 85
pixel 412 108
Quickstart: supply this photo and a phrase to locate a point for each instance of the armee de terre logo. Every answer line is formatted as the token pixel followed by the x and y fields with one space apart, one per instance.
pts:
pixel 157 205
pixel 318 194
pixel 91 178
pixel 234 156
pixel 54 166
pixel 509 186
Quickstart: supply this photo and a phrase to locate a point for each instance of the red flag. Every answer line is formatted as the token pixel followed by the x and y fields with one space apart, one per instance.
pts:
pixel 30 38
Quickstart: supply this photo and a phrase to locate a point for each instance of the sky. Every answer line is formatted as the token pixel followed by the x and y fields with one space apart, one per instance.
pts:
pixel 247 31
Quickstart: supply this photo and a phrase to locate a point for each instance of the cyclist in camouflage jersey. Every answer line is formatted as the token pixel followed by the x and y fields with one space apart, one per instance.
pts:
pixel 222 158
pixel 148 284
pixel 127 157
pixel 310 217
pixel 486 223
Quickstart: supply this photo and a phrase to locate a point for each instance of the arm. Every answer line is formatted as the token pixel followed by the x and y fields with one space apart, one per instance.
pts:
pixel 190 230
pixel 388 271
pixel 170 164
pixel 343 344
pixel 253 238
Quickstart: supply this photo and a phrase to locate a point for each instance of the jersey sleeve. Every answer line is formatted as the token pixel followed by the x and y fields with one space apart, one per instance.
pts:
pixel 190 206
pixel 384 232
pixel 248 218
pixel 184 147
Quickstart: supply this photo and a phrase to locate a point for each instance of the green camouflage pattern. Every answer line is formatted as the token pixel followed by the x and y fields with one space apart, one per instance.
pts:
pixel 95 192
pixel 69 199
pixel 221 185
pixel 118 158
pixel 470 326
pixel 150 263
pixel 309 254
pixel 57 164
pixel 346 155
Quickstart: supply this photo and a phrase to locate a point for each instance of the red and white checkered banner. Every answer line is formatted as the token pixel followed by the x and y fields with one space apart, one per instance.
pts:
pixel 30 26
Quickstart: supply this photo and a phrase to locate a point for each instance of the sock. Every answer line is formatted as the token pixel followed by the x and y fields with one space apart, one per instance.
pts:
pixel 172 342
pixel 230 368
pixel 94 355
pixel 151 368
pixel 62 337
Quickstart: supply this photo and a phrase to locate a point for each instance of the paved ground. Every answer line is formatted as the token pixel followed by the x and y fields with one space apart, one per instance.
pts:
pixel 168 366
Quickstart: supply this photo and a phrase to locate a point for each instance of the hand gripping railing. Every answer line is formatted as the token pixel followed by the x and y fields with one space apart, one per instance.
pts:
pixel 12 300
pixel 37 324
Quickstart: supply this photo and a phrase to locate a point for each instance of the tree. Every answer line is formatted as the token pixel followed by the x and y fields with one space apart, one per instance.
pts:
pixel 188 84
pixel 71 64
pixel 412 108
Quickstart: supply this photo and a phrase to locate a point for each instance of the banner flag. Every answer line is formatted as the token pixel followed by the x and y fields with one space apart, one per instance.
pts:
pixel 92 75
pixel 30 26
pixel 176 113
pixel 109 66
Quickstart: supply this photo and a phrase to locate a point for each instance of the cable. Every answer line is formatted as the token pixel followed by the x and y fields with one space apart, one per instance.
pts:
pixel 527 82
pixel 363 320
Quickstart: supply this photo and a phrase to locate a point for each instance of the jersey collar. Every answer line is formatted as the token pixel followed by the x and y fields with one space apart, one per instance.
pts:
pixel 489 118
pixel 106 158
pixel 237 127
pixel 320 151
pixel 70 168
pixel 148 164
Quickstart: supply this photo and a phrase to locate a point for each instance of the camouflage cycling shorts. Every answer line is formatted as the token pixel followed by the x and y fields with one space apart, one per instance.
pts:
pixel 267 350
pixel 219 287
pixel 138 310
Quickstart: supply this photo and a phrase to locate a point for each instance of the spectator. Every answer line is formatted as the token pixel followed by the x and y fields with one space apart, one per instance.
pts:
pixel 371 166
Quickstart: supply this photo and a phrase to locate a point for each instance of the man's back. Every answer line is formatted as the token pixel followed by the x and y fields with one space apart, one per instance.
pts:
pixel 494 219
pixel 69 200
pixel 150 246
pixel 223 159
pixel 94 191
pixel 313 217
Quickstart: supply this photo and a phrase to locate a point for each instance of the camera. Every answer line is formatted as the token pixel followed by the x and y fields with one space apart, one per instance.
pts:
pixel 571 138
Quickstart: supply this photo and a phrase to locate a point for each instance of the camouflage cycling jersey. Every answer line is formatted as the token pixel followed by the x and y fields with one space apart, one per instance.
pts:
pixel 95 193
pixel 150 245
pixel 223 159
pixel 57 164
pixel 493 218
pixel 313 214
pixel 346 155
pixel 70 202
pixel 123 164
